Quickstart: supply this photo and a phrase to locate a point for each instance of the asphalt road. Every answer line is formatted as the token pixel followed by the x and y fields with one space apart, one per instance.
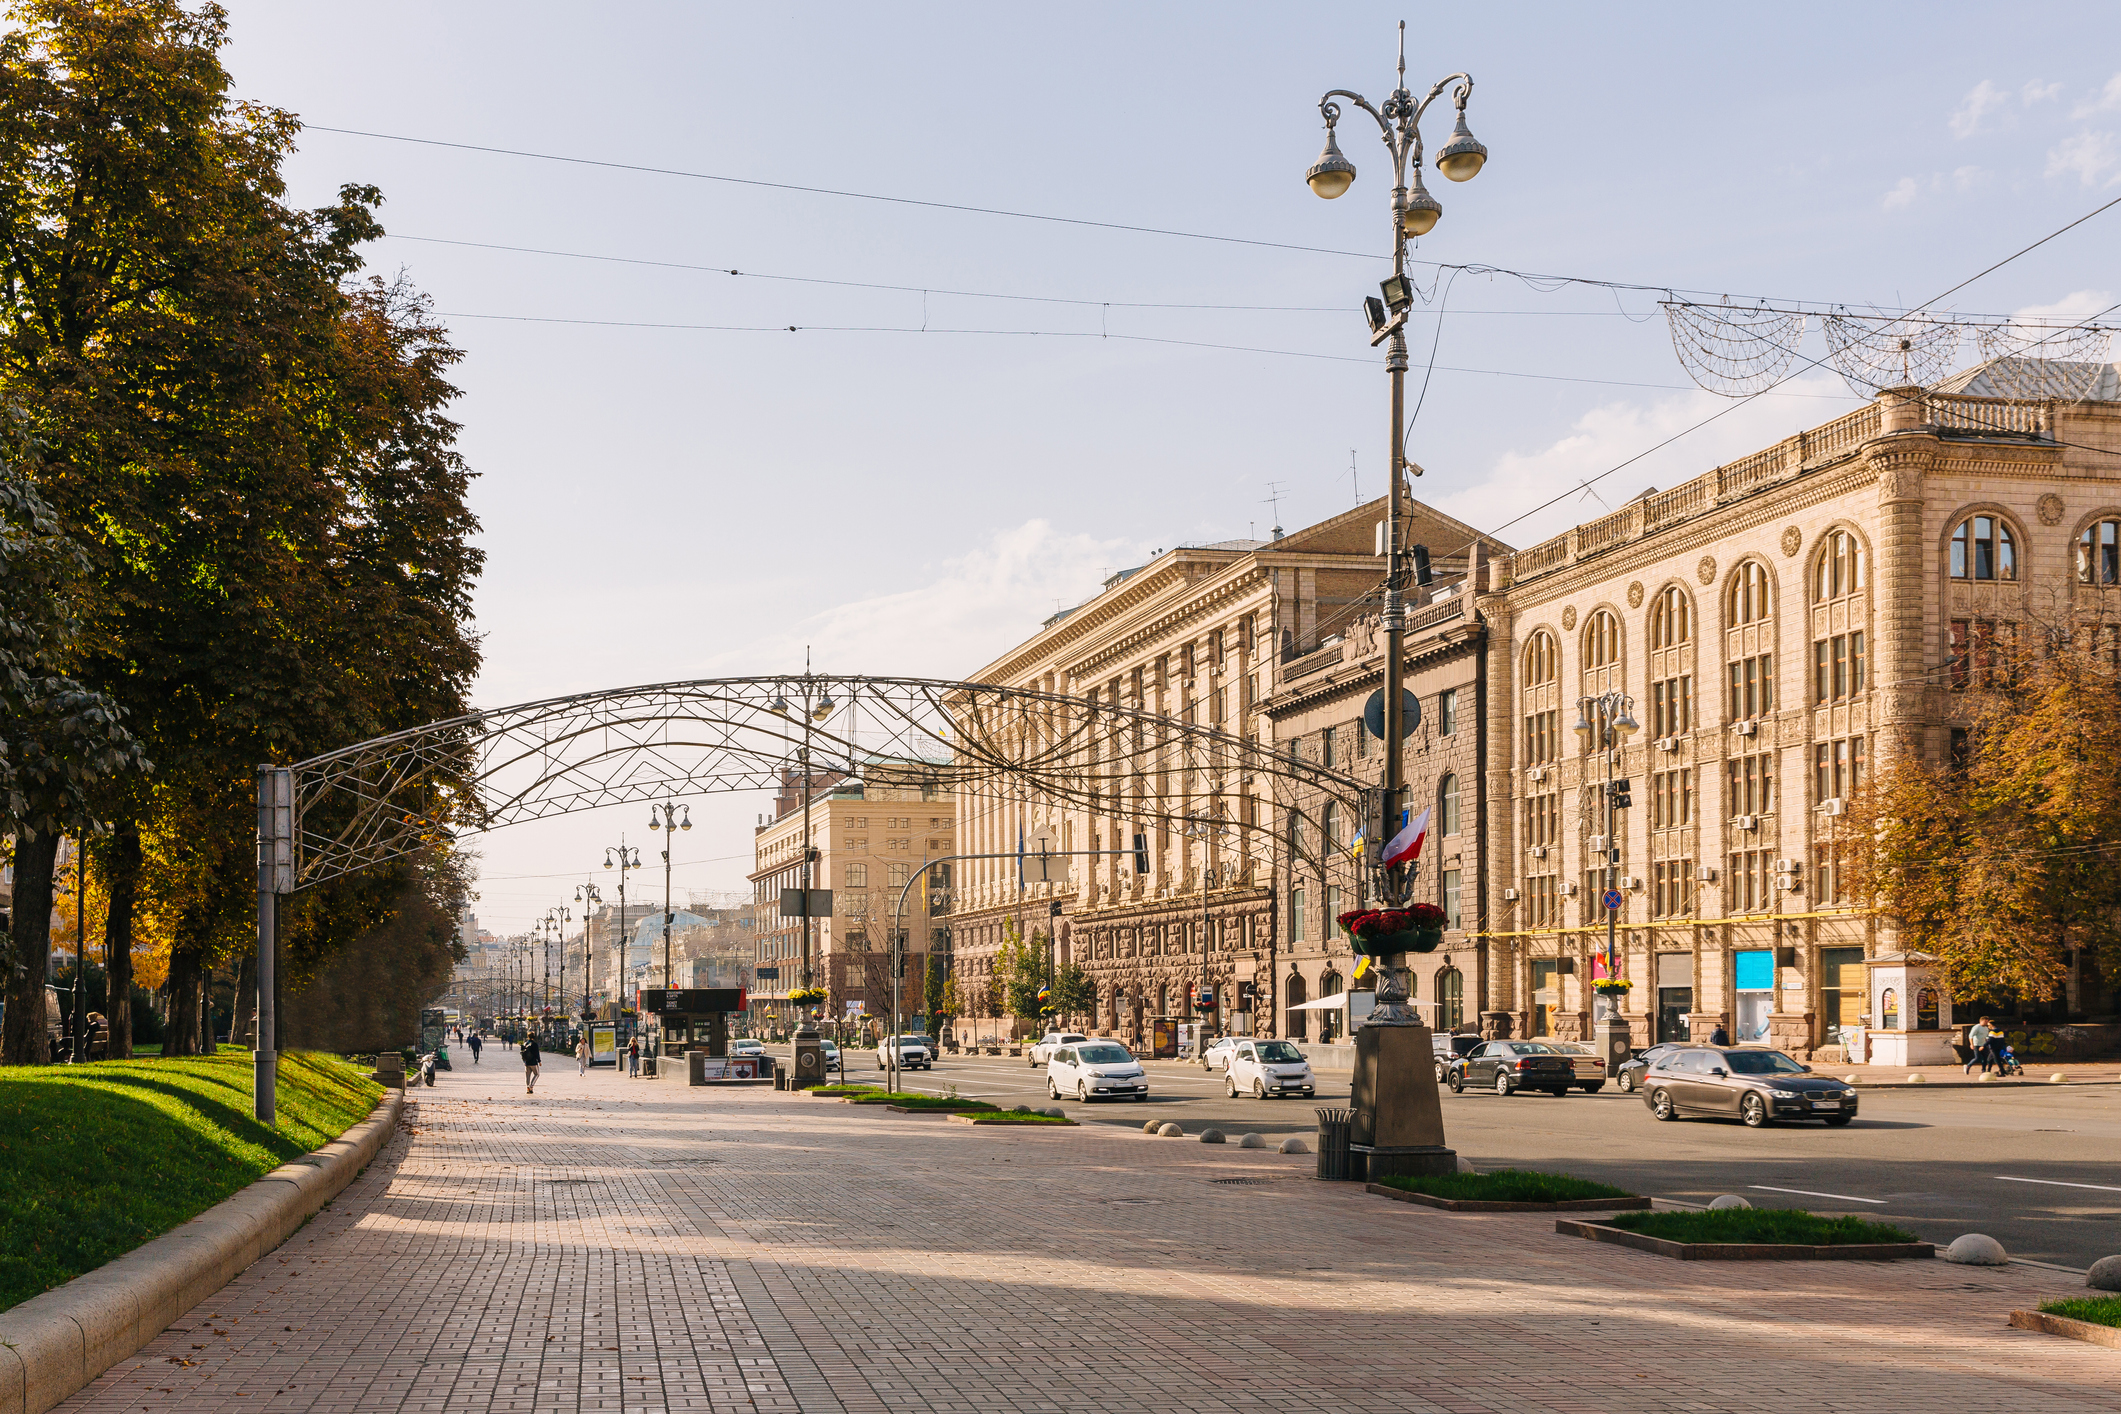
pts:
pixel 2039 1170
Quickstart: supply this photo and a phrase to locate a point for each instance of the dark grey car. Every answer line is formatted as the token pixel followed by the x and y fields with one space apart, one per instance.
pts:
pixel 1749 1084
pixel 1507 1067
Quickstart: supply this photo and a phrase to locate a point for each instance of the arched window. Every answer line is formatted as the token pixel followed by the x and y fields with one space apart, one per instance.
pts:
pixel 1671 618
pixel 1450 999
pixel 1331 829
pixel 1542 660
pixel 1982 548
pixel 1749 599
pixel 2099 553
pixel 1447 805
pixel 1297 995
pixel 1542 714
pixel 1889 1009
pixel 1839 572
pixel 1330 985
pixel 1601 641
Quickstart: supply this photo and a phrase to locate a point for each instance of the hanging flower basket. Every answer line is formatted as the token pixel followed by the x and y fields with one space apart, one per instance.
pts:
pixel 1612 986
pixel 1380 932
pixel 804 996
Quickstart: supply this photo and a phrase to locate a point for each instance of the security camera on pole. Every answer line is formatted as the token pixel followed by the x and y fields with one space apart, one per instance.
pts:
pixel 1398 1118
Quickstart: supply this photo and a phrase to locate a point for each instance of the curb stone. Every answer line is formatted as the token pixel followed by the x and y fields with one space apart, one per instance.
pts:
pixel 55 1343
pixel 2049 1324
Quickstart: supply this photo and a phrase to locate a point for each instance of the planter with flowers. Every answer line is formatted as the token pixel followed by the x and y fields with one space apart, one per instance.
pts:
pixel 1380 932
pixel 807 996
pixel 1614 987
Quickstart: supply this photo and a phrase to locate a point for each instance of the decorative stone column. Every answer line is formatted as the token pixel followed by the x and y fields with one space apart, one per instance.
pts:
pixel 1905 574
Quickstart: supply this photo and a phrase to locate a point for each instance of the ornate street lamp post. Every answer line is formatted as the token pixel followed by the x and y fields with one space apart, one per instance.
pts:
pixel 1604 723
pixel 587 895
pixel 627 860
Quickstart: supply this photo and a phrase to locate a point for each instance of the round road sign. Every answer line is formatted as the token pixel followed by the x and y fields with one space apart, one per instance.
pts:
pixel 1612 899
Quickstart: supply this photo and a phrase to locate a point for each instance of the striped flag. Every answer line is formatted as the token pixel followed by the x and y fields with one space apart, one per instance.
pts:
pixel 1407 843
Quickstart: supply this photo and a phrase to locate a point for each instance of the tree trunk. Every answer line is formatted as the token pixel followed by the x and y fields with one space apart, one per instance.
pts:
pixel 181 1036
pixel 122 880
pixel 244 1015
pixel 24 1039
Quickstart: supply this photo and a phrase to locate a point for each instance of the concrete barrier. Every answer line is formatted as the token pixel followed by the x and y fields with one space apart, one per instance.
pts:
pixel 55 1343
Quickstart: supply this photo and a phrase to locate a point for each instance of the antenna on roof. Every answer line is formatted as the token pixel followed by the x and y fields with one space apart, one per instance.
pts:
pixel 1352 476
pixel 1273 498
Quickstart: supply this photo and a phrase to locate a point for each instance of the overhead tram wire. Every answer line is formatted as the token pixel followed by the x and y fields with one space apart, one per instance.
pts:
pixel 1536 279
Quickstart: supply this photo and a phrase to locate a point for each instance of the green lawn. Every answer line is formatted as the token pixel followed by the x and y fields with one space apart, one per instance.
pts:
pixel 1504 1186
pixel 916 1100
pixel 1024 1115
pixel 2099 1310
pixel 1781 1226
pixel 96 1159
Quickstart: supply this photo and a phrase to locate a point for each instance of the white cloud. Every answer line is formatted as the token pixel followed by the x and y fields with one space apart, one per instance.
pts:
pixel 2106 99
pixel 1521 481
pixel 2038 92
pixel 2078 304
pixel 2088 155
pixel 1907 189
pixel 975 607
pixel 1903 194
pixel 1983 99
pixel 1964 178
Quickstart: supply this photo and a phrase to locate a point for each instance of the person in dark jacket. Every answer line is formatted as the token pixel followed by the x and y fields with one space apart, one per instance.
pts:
pixel 474 1043
pixel 531 1061
pixel 1719 1037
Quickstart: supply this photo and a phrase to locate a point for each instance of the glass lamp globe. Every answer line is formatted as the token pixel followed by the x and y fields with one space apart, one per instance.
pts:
pixel 1423 211
pixel 1332 173
pixel 1464 155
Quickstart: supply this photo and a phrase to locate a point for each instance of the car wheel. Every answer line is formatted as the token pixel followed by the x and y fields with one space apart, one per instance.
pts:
pixel 1627 1083
pixel 1457 1084
pixel 1754 1111
pixel 1259 1089
pixel 1661 1105
pixel 1230 1086
pixel 1051 1092
pixel 1082 1091
pixel 1502 1083
pixel 1439 1073
pixel 1838 1121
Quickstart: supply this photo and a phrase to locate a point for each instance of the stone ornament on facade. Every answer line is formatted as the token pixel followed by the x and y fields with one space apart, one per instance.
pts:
pixel 1706 570
pixel 2050 507
pixel 1568 617
pixel 1792 540
pixel 1635 594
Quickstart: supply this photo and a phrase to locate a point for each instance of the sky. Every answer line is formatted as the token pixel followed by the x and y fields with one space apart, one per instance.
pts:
pixel 918 475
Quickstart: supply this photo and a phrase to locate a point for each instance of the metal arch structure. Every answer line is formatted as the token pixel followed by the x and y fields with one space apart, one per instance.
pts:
pixel 376 801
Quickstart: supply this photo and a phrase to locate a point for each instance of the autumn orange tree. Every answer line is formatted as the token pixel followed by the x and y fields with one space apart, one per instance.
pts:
pixel 2007 855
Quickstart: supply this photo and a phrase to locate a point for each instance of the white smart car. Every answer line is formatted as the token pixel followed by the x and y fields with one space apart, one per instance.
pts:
pixel 1268 1068
pixel 1096 1070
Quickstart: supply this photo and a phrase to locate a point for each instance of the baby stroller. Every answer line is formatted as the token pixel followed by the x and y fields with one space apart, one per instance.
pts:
pixel 2007 1060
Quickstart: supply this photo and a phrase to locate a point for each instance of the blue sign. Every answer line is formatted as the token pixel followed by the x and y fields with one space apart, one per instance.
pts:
pixel 1612 899
pixel 1754 970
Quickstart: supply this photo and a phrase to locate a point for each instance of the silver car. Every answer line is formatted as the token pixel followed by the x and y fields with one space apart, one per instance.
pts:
pixel 1096 1070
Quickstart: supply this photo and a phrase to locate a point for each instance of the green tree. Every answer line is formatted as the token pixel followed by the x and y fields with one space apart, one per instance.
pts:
pixel 246 441
pixel 936 996
pixel 1073 993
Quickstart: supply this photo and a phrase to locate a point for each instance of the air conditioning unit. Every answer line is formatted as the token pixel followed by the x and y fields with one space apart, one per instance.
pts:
pixel 1568 888
pixel 1536 774
pixel 1596 844
pixel 1668 743
pixel 1788 866
pixel 1628 881
pixel 1745 822
pixel 1538 851
pixel 1746 728
pixel 1789 883
pixel 1836 806
pixel 1704 875
pixel 1509 895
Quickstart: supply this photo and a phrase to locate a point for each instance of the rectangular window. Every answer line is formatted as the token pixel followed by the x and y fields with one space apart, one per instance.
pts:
pixel 857 876
pixel 899 873
pixel 1672 799
pixel 1451 918
pixel 1671 887
pixel 1751 685
pixel 1745 885
pixel 1542 737
pixel 1542 820
pixel 1447 711
pixel 1539 901
pixel 1325 747
pixel 1671 706
pixel 1296 915
pixel 1980 652
pixel 1837 667
pixel 1749 787
pixel 1837 768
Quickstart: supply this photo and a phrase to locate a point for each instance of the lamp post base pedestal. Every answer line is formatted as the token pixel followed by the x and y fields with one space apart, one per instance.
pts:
pixel 1614 1040
pixel 1406 1160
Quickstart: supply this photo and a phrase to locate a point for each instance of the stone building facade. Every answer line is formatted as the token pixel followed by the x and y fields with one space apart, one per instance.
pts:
pixel 1786 626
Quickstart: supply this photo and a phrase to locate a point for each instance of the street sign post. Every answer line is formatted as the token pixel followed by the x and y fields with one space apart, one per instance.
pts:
pixel 1612 900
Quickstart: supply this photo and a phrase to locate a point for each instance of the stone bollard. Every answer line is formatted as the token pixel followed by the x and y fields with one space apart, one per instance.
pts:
pixel 1728 1200
pixel 1918 1078
pixel 1465 1165
pixel 1150 1126
pixel 1170 1131
pixel 2058 1078
pixel 2105 1275
pixel 1976 1250
pixel 390 1070
pixel 1293 1145
pixel 1253 1141
pixel 1212 1136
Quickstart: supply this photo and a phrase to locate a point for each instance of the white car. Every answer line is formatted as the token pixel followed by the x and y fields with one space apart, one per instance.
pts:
pixel 747 1046
pixel 1269 1068
pixel 1042 1050
pixel 1096 1070
pixel 914 1053
pixel 1220 1052
pixel 832 1057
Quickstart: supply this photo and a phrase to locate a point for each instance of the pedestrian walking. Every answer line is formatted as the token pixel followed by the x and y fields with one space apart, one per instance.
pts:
pixel 582 1052
pixel 531 1061
pixel 1981 1040
pixel 633 1058
pixel 474 1043
pixel 1719 1037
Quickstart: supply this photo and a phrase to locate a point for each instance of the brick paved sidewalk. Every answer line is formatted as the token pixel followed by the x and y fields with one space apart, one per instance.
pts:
pixel 634 1247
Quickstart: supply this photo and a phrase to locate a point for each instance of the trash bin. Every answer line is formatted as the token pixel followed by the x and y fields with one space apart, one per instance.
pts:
pixel 1333 1127
pixel 780 1076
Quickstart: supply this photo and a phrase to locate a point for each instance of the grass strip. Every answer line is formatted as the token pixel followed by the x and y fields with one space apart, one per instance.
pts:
pixel 2097 1310
pixel 917 1100
pixel 1774 1226
pixel 1504 1186
pixel 1024 1116
pixel 96 1159
pixel 844 1090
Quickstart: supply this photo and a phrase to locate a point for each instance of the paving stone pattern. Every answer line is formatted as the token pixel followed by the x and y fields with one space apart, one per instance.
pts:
pixel 629 1246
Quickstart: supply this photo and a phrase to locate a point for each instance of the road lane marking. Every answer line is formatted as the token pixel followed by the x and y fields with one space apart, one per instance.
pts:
pixel 2058 1183
pixel 1808 1193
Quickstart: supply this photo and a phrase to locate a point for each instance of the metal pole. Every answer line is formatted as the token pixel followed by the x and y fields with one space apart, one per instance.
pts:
pixel 81 952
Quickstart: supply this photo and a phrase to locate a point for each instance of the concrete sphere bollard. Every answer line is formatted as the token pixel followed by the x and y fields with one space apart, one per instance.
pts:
pixel 1055 1112
pixel 1465 1165
pixel 1853 1079
pixel 1293 1145
pixel 1985 1078
pixel 1212 1136
pixel 1918 1078
pixel 1728 1200
pixel 1976 1250
pixel 1170 1131
pixel 1253 1141
pixel 2105 1275
pixel 2058 1078
pixel 1150 1126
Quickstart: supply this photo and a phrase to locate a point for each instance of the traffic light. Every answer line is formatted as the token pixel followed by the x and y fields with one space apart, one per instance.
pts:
pixel 1421 563
pixel 1618 791
pixel 1141 855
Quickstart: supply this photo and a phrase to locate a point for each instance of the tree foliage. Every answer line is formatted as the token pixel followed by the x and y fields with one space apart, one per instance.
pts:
pixel 1073 992
pixel 1999 862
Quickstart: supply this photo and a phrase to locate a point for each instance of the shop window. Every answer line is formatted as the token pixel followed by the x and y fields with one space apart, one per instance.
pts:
pixel 1889 1009
pixel 1926 1009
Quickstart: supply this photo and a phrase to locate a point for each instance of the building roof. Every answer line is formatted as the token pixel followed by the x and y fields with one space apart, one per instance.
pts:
pixel 2037 378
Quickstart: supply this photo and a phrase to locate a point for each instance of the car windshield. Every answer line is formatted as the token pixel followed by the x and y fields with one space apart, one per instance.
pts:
pixel 1105 1053
pixel 1535 1048
pixel 1761 1063
pixel 1279 1051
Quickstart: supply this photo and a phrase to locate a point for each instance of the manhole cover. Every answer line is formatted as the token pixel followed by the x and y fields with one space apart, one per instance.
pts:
pixel 1241 1182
